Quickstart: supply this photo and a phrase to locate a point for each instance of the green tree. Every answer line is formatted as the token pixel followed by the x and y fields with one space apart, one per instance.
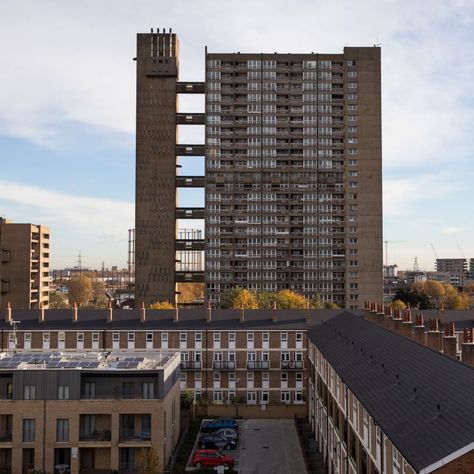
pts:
pixel 316 302
pixel 228 297
pixel 162 305
pixel 80 289
pixel 58 300
pixel 246 300
pixel 266 299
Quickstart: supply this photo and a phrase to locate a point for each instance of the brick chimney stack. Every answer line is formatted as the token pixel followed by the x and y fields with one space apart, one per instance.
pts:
pixel 209 313
pixel 142 312
pixel 434 339
pixel 41 313
pixel 419 334
pixel 242 314
pixel 308 314
pixel 407 324
pixel 8 312
pixel 176 314
pixel 467 347
pixel 450 341
pixel 74 312
pixel 109 312
pixel 441 311
pixel 274 313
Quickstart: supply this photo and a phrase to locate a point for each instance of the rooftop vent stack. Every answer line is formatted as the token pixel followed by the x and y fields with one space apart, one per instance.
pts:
pixel 176 314
pixel 41 313
pixel 467 348
pixel 8 312
pixel 142 312
pixel 109 312
pixel 450 341
pixel 74 312
pixel 209 313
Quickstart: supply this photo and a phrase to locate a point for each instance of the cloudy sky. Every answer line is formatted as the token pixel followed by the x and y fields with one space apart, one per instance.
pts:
pixel 67 108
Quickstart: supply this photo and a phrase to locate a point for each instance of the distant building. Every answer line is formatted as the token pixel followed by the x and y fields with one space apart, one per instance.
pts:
pixel 390 271
pixel 24 265
pixel 451 265
pixel 58 419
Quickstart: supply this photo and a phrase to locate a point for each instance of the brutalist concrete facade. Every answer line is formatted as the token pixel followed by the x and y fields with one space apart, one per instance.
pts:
pixel 293 184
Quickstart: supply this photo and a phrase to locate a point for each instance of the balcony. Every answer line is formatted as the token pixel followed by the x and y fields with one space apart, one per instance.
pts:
pixel 190 119
pixel 132 434
pixel 190 150
pixel 292 365
pixel 258 364
pixel 190 213
pixel 190 181
pixel 191 365
pixel 223 365
pixel 96 436
pixel 191 244
pixel 193 277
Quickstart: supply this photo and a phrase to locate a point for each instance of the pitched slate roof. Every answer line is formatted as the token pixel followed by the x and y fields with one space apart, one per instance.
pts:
pixel 401 384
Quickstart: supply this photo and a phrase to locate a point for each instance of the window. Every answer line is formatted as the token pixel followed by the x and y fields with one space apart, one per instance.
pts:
pixel 88 425
pixel 89 390
pixel 80 338
pixel 250 337
pixel 251 356
pixel 397 461
pixel 148 390
pixel 182 337
pixel 265 337
pixel 264 397
pixel 131 337
pixel 28 430
pixel 232 337
pixel 116 337
pixel 63 392
pixel 95 338
pixel 198 337
pixel 284 377
pixel 284 336
pixel 127 389
pixel 149 337
pixel 217 336
pixel 29 392
pixel 164 338
pixel 299 336
pixel 62 429
pixel 285 396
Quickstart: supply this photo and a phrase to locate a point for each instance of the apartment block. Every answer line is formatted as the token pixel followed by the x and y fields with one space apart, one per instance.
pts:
pixel 87 412
pixel 24 265
pixel 379 402
pixel 257 357
pixel 292 173
pixel 452 265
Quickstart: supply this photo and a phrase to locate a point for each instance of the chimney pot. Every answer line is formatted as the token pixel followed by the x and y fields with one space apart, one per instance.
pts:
pixel 142 312
pixel 109 312
pixel 41 312
pixel 74 312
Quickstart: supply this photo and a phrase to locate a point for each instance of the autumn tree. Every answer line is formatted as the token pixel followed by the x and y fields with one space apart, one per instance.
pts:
pixel 190 292
pixel 245 300
pixel 148 462
pixel 266 299
pixel 287 299
pixel 316 302
pixel 162 305
pixel 331 305
pixel 228 297
pixel 453 299
pixel 58 300
pixel 398 304
pixel 434 289
pixel 80 289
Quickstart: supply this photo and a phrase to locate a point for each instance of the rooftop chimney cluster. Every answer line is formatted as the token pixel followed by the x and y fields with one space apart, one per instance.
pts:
pixel 437 333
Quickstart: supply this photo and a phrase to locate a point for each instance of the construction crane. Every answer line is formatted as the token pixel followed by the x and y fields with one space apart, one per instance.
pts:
pixel 386 242
pixel 434 251
pixel 460 249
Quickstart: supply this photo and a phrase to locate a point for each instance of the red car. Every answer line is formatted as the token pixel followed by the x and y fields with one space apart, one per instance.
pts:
pixel 211 458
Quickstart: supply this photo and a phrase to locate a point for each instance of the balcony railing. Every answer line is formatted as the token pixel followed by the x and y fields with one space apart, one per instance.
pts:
pixel 129 434
pixel 191 365
pixel 223 365
pixel 258 364
pixel 293 364
pixel 96 435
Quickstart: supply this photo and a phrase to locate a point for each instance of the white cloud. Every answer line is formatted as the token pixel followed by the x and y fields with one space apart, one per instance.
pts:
pixel 98 226
pixel 452 230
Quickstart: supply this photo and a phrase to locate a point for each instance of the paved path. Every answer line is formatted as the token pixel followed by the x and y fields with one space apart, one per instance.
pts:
pixel 270 446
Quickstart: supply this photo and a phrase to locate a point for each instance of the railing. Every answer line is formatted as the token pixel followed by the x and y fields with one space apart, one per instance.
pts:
pixel 191 365
pixel 223 365
pixel 258 364
pixel 293 364
pixel 102 435
pixel 127 434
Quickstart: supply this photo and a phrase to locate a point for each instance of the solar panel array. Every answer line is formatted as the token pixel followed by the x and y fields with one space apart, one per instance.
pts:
pixel 48 360
pixel 129 362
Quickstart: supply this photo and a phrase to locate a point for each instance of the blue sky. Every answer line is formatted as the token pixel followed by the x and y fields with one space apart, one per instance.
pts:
pixel 67 115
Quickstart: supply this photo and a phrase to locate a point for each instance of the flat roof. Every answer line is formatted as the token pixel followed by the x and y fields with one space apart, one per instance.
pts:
pixel 422 400
pixel 109 361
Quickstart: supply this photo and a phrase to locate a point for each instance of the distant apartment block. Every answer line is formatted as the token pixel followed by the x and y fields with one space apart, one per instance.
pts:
pixel 24 265
pixel 292 173
pixel 452 265
pixel 87 413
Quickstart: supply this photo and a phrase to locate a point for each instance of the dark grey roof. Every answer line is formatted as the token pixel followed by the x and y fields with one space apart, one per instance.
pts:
pixel 369 358
pixel 192 319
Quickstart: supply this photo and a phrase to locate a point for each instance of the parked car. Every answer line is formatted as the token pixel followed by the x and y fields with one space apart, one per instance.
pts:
pixel 211 458
pixel 217 424
pixel 214 441
pixel 227 433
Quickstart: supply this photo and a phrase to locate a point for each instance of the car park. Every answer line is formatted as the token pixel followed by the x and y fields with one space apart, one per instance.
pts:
pixel 213 441
pixel 211 458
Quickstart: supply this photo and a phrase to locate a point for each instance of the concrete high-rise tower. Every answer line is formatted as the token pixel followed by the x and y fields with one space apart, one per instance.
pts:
pixel 293 186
